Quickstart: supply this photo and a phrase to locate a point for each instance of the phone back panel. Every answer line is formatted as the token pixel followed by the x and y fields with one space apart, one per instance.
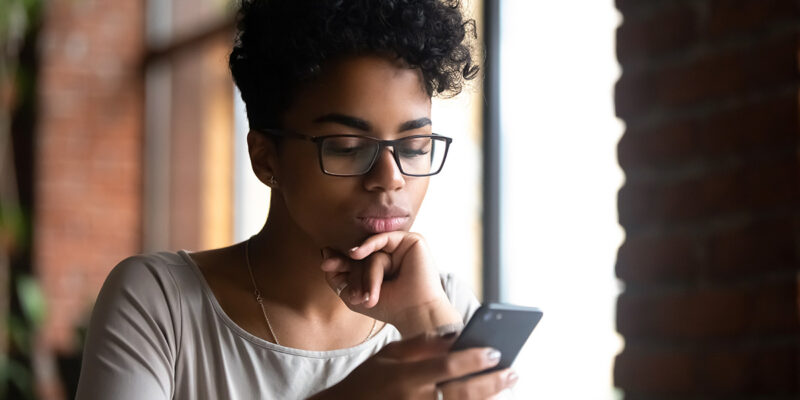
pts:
pixel 501 326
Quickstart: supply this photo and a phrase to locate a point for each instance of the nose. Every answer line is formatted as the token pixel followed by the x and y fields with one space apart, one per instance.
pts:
pixel 385 174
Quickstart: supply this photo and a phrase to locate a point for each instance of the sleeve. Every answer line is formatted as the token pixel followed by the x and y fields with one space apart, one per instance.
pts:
pixel 460 295
pixel 133 334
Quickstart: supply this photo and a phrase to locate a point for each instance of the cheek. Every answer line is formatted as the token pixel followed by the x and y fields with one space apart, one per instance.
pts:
pixel 416 189
pixel 320 205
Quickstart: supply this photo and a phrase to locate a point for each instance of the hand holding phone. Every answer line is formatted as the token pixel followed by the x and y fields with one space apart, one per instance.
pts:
pixel 504 327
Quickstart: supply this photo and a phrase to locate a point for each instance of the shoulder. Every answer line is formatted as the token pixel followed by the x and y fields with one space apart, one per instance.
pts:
pixel 148 283
pixel 152 263
pixel 145 271
pixel 140 291
pixel 135 330
pixel 460 295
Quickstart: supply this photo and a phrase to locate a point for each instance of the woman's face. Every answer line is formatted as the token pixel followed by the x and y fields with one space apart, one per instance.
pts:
pixel 364 95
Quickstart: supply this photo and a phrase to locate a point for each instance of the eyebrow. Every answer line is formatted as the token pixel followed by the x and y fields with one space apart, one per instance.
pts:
pixel 345 120
pixel 415 124
pixel 363 125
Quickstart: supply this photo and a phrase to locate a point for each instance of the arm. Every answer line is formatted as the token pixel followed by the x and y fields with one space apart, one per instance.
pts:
pixel 391 277
pixel 131 344
pixel 438 316
pixel 412 368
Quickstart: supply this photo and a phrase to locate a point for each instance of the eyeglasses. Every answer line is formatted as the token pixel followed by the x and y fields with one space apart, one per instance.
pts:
pixel 353 155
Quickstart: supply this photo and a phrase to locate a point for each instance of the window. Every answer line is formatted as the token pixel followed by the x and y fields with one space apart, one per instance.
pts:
pixel 558 219
pixel 188 188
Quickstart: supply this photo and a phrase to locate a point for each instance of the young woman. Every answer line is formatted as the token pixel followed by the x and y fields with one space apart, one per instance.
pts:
pixel 334 297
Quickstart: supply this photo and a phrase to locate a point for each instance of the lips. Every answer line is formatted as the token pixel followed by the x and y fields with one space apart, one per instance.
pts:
pixel 383 219
pixel 378 225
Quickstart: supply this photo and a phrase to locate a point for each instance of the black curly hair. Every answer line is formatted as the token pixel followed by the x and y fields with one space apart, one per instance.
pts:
pixel 281 44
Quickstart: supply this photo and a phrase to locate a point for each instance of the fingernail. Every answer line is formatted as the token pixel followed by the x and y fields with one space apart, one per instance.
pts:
pixel 366 297
pixel 493 356
pixel 354 249
pixel 356 298
pixel 325 253
pixel 340 288
pixel 512 378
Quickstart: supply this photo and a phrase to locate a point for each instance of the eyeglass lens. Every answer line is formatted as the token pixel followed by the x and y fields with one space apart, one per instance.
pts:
pixel 355 155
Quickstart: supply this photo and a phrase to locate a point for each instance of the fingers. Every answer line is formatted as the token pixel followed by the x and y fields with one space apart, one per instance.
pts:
pixel 387 242
pixel 333 263
pixel 456 364
pixel 481 386
pixel 372 277
pixel 419 347
pixel 338 281
pixel 356 282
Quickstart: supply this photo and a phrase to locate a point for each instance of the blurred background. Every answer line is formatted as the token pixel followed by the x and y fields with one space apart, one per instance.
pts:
pixel 630 167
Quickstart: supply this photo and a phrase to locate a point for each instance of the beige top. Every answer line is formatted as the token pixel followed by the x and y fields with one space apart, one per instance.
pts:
pixel 158 332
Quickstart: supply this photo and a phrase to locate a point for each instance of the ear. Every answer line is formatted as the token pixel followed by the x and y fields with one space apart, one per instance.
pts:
pixel 263 158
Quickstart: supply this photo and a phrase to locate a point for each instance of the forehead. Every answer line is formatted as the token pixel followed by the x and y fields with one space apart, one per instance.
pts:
pixel 373 88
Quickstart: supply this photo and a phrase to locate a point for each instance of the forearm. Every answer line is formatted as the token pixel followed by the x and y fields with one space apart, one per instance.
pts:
pixel 434 316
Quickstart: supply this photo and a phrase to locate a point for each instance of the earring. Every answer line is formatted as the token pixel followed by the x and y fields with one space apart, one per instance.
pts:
pixel 272 181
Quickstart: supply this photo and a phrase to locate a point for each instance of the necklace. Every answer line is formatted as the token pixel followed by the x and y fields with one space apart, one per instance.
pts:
pixel 260 300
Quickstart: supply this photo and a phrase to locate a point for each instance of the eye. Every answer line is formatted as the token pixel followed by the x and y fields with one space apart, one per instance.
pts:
pixel 342 151
pixel 414 147
pixel 344 147
pixel 413 152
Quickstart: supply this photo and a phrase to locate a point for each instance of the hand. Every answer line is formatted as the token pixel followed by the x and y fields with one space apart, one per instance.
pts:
pixel 391 277
pixel 411 369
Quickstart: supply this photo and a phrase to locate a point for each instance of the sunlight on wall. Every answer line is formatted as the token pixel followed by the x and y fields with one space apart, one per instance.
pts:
pixel 450 217
pixel 251 197
pixel 560 177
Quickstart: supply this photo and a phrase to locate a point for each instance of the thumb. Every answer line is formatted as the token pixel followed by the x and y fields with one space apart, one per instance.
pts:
pixel 420 347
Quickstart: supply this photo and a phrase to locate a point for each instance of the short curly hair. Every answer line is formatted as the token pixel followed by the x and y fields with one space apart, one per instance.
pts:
pixel 281 44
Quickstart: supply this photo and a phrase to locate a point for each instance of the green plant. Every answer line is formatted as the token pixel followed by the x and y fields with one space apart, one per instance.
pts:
pixel 21 328
pixel 21 301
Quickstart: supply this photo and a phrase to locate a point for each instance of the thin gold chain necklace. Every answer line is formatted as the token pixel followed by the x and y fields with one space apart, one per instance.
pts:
pixel 260 299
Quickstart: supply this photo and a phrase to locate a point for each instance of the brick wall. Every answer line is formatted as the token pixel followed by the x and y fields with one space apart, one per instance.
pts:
pixel 87 154
pixel 710 207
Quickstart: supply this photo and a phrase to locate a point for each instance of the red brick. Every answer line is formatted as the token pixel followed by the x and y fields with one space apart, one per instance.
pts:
pixel 728 17
pixel 657 258
pixel 673 28
pixel 724 312
pixel 628 6
pixel 711 200
pixel 748 129
pixel 654 371
pixel 715 76
pixel 751 188
pixel 755 248
pixel 88 151
pixel 688 371
pixel 758 370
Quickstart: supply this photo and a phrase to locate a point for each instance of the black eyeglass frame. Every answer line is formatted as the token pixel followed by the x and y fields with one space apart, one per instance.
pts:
pixel 381 145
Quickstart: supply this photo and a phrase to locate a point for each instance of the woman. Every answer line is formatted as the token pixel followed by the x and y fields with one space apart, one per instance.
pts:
pixel 333 298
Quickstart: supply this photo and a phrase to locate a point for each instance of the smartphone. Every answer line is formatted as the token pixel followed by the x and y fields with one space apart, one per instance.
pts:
pixel 504 327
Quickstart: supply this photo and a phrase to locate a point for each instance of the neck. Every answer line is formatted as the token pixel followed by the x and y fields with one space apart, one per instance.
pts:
pixel 285 263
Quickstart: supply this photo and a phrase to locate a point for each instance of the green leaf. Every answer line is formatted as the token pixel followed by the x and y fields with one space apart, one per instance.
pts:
pixel 19 334
pixel 13 222
pixel 20 377
pixel 31 299
pixel 3 371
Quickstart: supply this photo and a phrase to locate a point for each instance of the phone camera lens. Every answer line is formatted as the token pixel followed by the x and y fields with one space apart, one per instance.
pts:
pixel 499 316
pixel 487 317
